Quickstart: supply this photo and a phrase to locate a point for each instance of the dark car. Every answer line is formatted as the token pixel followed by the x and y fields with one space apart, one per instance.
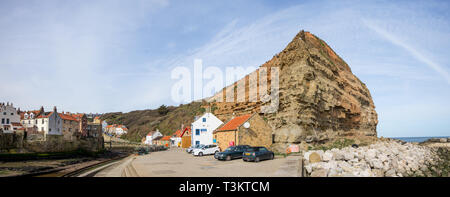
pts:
pixel 232 152
pixel 142 150
pixel 257 154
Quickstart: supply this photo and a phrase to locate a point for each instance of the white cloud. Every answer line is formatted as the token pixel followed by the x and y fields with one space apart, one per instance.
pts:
pixel 63 54
pixel 413 51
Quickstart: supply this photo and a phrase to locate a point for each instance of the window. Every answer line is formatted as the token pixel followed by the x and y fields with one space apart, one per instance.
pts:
pixel 3 121
pixel 204 119
pixel 4 113
pixel 197 131
pixel 204 130
pixel 197 142
pixel 7 121
pixel 42 121
pixel 12 114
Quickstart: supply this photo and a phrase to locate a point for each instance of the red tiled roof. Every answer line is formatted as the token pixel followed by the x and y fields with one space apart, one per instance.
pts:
pixel 77 115
pixel 67 117
pixel 45 115
pixel 165 138
pixel 35 112
pixel 234 123
pixel 178 133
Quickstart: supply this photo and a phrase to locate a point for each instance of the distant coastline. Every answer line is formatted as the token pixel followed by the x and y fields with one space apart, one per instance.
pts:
pixel 417 139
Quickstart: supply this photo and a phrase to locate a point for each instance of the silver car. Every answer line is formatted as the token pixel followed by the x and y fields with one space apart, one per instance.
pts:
pixel 190 149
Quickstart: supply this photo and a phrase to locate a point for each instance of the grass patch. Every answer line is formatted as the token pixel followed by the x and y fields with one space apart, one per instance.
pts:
pixel 281 154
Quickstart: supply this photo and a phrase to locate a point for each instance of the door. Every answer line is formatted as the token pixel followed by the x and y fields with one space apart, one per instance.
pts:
pixel 264 153
pixel 237 153
pixel 207 150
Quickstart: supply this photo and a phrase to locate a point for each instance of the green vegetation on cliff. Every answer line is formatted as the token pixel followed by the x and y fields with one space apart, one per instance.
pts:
pixel 166 118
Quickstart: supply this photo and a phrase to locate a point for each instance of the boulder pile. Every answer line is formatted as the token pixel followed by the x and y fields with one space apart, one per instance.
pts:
pixel 382 159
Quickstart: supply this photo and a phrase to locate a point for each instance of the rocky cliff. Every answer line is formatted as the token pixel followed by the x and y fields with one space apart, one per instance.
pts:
pixel 319 97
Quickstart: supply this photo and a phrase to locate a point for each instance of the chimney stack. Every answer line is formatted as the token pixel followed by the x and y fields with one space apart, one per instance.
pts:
pixel 54 109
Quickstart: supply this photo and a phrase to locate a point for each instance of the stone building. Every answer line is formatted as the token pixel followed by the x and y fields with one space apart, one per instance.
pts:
pixel 249 129
pixel 94 130
pixel 70 126
pixel 97 120
pixel 82 123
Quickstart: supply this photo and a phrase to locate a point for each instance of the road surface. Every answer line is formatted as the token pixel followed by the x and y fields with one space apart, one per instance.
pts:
pixel 177 163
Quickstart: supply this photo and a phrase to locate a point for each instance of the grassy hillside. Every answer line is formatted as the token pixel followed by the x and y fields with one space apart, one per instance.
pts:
pixel 166 119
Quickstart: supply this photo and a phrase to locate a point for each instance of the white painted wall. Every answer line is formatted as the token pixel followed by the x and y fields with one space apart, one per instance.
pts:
pixel 51 125
pixel 149 139
pixel 8 115
pixel 204 137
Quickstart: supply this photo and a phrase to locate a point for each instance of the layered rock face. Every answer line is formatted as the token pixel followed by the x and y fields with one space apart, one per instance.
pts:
pixel 319 97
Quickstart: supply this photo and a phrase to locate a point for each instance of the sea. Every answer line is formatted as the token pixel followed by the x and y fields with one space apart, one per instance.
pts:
pixel 417 139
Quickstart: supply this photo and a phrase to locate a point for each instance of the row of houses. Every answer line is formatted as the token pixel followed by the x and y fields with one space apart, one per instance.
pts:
pixel 247 129
pixel 70 125
pixel 181 138
pixel 116 130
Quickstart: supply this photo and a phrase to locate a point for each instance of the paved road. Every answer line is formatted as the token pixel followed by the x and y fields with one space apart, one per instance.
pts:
pixel 178 163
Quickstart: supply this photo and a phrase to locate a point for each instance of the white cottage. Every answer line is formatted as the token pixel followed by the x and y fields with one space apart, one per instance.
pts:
pixel 10 118
pixel 121 130
pixel 203 127
pixel 151 136
pixel 49 123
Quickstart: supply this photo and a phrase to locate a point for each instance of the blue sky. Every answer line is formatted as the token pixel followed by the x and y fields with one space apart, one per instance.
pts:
pixel 104 56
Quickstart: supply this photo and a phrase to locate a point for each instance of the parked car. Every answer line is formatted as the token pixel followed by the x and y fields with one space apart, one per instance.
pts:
pixel 232 152
pixel 142 150
pixel 206 150
pixel 257 154
pixel 190 149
